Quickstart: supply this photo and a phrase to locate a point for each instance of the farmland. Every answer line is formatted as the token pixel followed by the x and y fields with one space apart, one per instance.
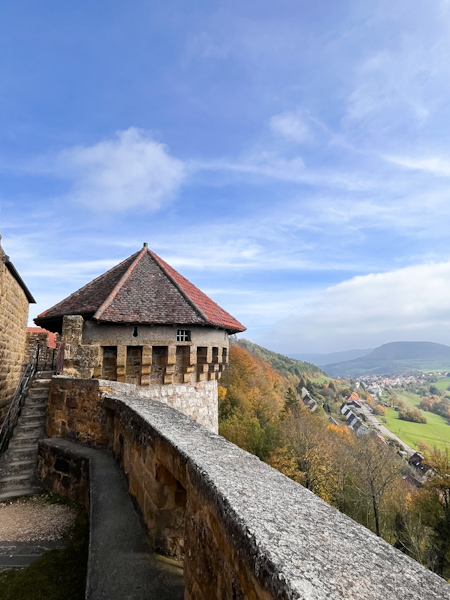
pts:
pixel 436 432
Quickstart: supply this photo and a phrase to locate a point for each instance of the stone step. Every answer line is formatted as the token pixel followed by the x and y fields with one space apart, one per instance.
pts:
pixel 41 383
pixel 34 408
pixel 36 401
pixel 27 438
pixel 16 479
pixel 33 418
pixel 37 393
pixel 19 454
pixel 27 490
pixel 27 426
pixel 23 445
pixel 45 374
pixel 14 466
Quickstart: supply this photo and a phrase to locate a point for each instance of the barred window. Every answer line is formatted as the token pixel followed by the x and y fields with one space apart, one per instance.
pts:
pixel 183 335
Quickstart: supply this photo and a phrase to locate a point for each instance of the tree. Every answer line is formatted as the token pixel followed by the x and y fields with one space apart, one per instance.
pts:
pixel 434 505
pixel 291 401
pixel 375 470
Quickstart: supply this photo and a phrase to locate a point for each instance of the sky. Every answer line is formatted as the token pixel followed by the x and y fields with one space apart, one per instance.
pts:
pixel 291 158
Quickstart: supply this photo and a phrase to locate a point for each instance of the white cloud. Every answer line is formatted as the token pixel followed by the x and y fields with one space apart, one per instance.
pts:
pixel 125 172
pixel 410 304
pixel 291 126
pixel 436 165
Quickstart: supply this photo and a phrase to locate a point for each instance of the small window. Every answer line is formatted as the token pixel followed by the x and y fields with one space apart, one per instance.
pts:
pixel 183 335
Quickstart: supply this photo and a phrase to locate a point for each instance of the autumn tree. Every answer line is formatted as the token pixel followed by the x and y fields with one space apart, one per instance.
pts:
pixel 376 469
pixel 433 503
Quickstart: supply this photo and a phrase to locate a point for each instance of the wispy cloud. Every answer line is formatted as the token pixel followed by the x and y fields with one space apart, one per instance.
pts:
pixel 291 126
pixel 435 165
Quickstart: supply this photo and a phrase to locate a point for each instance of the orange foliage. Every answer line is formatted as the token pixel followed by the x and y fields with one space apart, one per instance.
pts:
pixel 340 430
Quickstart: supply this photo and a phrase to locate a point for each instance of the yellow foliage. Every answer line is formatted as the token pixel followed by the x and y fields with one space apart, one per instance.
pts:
pixel 283 460
pixel 342 431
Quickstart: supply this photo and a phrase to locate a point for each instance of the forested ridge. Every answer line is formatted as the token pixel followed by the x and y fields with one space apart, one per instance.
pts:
pixel 281 363
pixel 260 410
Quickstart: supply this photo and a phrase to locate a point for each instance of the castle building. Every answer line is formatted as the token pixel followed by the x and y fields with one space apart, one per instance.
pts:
pixel 142 323
pixel 14 303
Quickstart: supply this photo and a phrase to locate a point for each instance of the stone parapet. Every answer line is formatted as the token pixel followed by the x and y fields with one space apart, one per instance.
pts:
pixel 246 531
pixel 75 409
pixel 64 471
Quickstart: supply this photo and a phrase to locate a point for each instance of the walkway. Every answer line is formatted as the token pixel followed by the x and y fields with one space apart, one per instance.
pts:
pixel 121 563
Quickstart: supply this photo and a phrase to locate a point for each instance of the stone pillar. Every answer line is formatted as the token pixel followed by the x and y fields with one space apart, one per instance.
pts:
pixel 72 331
pixel 121 363
pixel 191 367
pixel 146 365
pixel 171 363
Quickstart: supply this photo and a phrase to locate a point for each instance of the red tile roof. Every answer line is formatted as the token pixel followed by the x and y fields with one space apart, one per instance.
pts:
pixel 143 289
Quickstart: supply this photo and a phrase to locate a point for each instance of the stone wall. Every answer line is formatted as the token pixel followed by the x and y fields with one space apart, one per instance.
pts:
pixel 75 409
pixel 243 530
pixel 13 325
pixel 64 472
pixel 246 531
pixel 37 336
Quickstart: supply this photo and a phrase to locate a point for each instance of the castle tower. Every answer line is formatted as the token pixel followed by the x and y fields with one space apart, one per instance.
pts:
pixel 142 323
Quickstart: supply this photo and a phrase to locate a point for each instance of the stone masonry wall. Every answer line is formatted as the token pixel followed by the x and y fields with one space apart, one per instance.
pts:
pixel 13 326
pixel 75 410
pixel 246 531
pixel 64 472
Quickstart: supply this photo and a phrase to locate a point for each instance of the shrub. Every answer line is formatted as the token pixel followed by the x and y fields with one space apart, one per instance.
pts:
pixel 412 414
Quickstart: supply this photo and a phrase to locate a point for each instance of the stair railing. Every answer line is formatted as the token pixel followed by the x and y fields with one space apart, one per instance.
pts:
pixel 42 359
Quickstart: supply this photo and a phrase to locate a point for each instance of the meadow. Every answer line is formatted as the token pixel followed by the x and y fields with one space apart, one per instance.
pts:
pixel 442 384
pixel 436 432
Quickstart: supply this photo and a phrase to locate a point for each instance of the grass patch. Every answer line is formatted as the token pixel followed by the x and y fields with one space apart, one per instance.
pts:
pixel 57 575
pixel 436 432
pixel 321 379
pixel 442 384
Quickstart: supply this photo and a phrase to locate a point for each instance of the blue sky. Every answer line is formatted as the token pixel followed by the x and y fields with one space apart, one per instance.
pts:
pixel 290 158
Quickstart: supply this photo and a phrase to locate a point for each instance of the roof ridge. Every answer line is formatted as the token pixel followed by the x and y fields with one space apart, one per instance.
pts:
pixel 118 285
pixel 160 262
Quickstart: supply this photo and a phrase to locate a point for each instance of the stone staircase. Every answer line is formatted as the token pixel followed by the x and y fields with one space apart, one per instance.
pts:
pixel 17 465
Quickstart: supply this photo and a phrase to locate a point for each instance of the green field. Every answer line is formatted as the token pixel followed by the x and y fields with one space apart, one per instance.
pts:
pixel 321 379
pixel 442 384
pixel 436 432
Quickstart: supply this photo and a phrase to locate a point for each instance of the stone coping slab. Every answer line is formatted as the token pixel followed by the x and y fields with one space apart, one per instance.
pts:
pixel 121 564
pixel 297 546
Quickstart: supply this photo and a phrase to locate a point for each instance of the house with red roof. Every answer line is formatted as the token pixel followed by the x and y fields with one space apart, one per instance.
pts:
pixel 142 323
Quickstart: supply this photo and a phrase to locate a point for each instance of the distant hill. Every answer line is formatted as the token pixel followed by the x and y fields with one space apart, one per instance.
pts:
pixel 332 357
pixel 395 357
pixel 281 363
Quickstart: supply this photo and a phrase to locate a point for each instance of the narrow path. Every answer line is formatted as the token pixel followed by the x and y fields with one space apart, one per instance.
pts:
pixel 121 564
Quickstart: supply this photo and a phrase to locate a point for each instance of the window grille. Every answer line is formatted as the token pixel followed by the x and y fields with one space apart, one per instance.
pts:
pixel 183 335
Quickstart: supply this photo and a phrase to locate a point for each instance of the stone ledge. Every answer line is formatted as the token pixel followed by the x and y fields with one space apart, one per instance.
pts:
pixel 296 546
